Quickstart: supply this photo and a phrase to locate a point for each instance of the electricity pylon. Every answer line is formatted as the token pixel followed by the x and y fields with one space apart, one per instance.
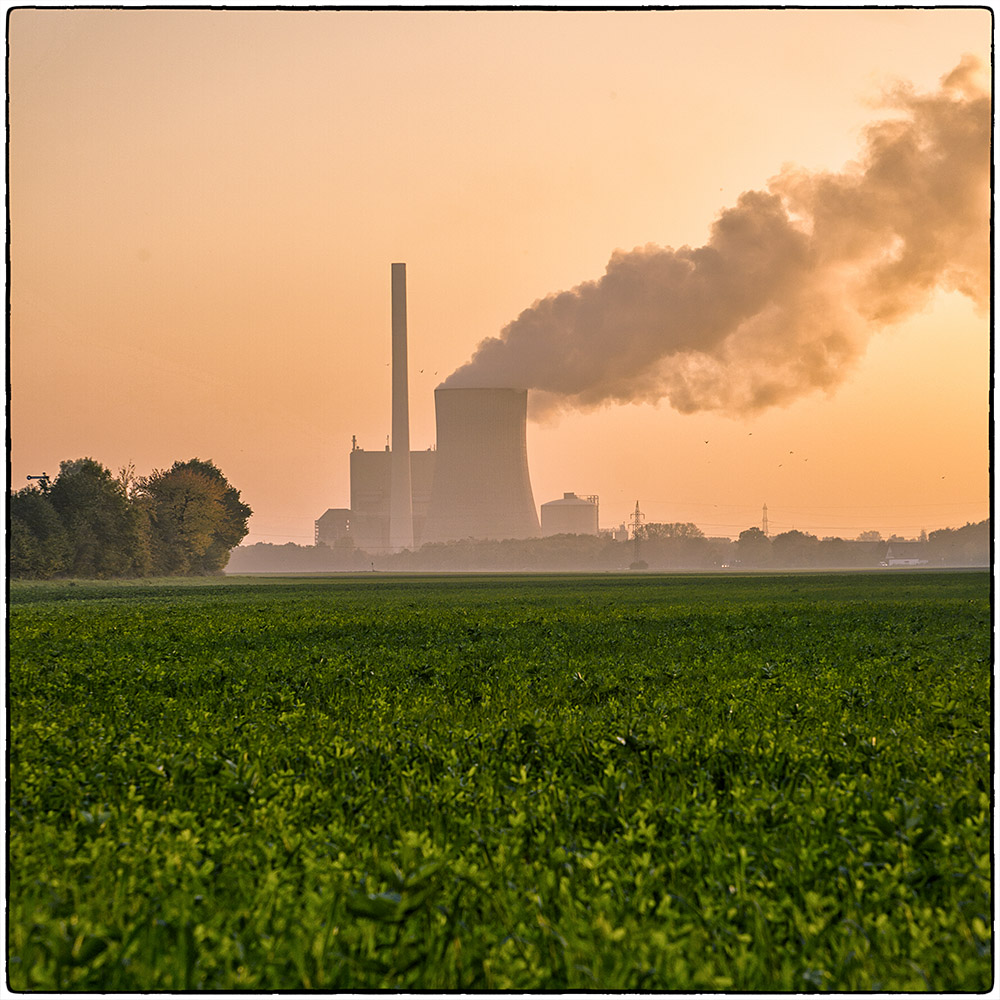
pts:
pixel 636 525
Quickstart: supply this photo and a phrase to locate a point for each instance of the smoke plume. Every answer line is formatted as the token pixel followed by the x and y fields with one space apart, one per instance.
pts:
pixel 791 284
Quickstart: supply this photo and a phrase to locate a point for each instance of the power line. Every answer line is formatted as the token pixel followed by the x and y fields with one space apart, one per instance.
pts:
pixel 881 506
pixel 258 534
pixel 801 526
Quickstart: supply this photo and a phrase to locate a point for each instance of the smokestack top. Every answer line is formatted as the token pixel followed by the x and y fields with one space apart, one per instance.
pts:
pixel 476 401
pixel 481 388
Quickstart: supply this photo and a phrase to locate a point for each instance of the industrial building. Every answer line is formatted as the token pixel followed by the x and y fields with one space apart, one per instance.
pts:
pixel 475 485
pixel 572 515
pixel 366 521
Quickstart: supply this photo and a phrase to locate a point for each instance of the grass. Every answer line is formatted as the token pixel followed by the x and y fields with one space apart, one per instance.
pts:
pixel 775 782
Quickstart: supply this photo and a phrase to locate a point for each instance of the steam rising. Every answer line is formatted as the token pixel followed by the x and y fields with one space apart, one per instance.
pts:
pixel 790 286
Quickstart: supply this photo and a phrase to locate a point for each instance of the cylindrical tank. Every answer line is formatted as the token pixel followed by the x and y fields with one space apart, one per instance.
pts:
pixel 481 483
pixel 572 515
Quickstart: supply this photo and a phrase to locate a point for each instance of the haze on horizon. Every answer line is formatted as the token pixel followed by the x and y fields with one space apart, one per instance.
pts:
pixel 204 206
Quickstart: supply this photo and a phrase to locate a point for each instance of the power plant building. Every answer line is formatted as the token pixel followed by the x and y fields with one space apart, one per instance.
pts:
pixel 366 521
pixel 474 485
pixel 572 515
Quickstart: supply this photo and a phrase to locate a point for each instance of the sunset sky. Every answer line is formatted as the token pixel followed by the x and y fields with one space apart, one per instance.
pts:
pixel 204 208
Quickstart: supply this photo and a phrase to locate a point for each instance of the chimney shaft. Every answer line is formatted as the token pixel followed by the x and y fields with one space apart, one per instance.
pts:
pixel 400 494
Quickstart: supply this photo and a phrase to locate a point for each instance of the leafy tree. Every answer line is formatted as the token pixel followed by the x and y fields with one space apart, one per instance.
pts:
pixel 838 552
pixel 105 533
pixel 197 517
pixel 870 536
pixel 675 544
pixel 670 530
pixel 795 548
pixel 39 547
pixel 965 546
pixel 753 547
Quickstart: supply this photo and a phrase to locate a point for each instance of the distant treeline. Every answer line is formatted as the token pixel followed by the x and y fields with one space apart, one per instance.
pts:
pixel 89 523
pixel 661 547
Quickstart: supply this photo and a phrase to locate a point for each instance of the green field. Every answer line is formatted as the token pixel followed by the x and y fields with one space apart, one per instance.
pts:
pixel 778 782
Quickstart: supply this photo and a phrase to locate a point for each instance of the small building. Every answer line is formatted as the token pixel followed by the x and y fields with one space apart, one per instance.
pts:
pixel 572 515
pixel 333 526
pixel 905 554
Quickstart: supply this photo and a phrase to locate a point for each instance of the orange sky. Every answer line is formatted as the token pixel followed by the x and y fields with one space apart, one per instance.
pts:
pixel 204 207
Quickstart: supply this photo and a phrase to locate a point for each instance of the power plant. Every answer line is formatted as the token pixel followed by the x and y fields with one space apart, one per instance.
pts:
pixel 481 483
pixel 475 485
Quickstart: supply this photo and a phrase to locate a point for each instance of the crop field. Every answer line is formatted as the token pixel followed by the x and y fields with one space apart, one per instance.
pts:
pixel 775 782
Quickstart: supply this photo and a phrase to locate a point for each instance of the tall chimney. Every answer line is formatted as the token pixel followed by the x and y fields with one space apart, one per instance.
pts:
pixel 400 494
pixel 481 484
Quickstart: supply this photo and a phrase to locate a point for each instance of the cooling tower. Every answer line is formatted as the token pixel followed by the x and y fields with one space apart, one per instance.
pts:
pixel 481 484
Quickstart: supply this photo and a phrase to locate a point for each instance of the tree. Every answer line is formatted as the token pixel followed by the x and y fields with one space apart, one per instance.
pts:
pixel 795 548
pixel 105 533
pixel 197 517
pixel 670 530
pixel 870 536
pixel 753 547
pixel 965 546
pixel 674 544
pixel 39 547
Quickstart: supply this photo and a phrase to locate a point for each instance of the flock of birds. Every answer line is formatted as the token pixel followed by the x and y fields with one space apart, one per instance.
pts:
pixel 780 464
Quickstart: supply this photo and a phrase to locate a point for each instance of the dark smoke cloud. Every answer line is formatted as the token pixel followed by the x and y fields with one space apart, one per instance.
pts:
pixel 791 284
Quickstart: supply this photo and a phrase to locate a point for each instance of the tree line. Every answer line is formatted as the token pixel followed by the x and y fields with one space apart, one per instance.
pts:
pixel 661 547
pixel 183 521
pixel 969 545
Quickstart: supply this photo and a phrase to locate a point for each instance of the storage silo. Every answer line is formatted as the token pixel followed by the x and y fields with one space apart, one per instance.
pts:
pixel 572 515
pixel 481 483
